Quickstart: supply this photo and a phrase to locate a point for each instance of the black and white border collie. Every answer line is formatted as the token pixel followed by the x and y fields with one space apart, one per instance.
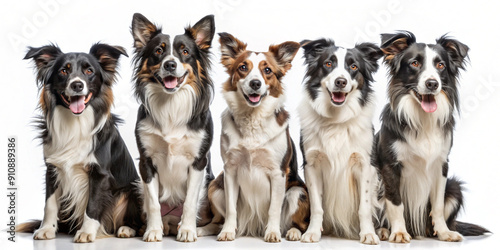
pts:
pixel 174 127
pixel 336 139
pixel 91 180
pixel 260 192
pixel 416 137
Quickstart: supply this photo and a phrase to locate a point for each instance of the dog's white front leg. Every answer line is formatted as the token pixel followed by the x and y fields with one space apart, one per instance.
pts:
pixel 314 183
pixel 48 228
pixel 154 229
pixel 187 229
pixel 437 213
pixel 278 185
pixel 231 190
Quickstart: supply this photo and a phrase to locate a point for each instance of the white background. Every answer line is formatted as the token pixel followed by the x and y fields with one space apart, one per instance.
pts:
pixel 75 26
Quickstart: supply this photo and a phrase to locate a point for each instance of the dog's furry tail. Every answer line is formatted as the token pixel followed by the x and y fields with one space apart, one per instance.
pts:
pixel 468 229
pixel 28 227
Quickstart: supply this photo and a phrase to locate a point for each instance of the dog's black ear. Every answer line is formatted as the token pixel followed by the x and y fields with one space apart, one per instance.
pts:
pixel 313 48
pixel 230 47
pixel 393 44
pixel 457 51
pixel 203 32
pixel 142 31
pixel 284 54
pixel 107 56
pixel 44 58
pixel 371 54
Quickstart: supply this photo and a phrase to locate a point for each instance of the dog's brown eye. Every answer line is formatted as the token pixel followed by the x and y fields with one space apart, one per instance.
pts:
pixel 185 52
pixel 328 64
pixel 354 67
pixel 415 64
pixel 440 66
pixel 64 71
pixel 159 51
pixel 243 68
pixel 89 71
pixel 268 71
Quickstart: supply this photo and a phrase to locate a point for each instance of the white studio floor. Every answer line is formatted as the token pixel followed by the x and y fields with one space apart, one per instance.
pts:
pixel 24 241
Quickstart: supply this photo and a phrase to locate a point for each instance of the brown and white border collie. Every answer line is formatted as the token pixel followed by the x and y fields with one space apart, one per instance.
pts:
pixel 174 127
pixel 336 115
pixel 91 181
pixel 260 192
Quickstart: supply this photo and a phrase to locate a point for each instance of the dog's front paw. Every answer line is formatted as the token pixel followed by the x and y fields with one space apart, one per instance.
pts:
pixel 451 236
pixel 272 236
pixel 293 234
pixel 383 233
pixel 84 237
pixel 400 237
pixel 46 233
pixel 311 236
pixel 226 236
pixel 186 234
pixel 152 235
pixel 125 232
pixel 369 238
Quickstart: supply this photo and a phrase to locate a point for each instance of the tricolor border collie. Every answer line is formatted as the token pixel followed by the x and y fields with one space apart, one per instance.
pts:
pixel 336 139
pixel 416 137
pixel 174 127
pixel 91 180
pixel 259 193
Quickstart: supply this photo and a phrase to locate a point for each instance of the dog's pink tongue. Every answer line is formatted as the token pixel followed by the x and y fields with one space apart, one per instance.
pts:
pixel 170 82
pixel 254 98
pixel 428 103
pixel 338 97
pixel 77 104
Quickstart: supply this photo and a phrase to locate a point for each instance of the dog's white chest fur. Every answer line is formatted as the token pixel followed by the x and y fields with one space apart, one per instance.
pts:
pixel 71 151
pixel 258 144
pixel 171 145
pixel 422 156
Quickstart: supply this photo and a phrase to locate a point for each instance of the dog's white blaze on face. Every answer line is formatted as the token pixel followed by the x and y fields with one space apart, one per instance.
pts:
pixel 254 74
pixel 430 72
pixel 339 72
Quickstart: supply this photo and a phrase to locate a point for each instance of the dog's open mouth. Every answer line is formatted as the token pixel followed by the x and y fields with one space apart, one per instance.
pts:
pixel 172 82
pixel 253 99
pixel 427 102
pixel 338 98
pixel 76 103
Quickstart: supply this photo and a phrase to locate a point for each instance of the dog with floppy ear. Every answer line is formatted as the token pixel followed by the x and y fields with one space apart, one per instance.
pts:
pixel 260 192
pixel 91 181
pixel 416 136
pixel 174 127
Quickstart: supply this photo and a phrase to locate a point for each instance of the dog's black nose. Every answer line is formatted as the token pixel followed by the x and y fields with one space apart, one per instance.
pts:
pixel 340 82
pixel 170 65
pixel 431 84
pixel 77 86
pixel 255 84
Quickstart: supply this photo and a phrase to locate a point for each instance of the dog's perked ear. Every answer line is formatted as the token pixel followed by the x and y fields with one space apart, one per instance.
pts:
pixel 203 32
pixel 371 54
pixel 143 31
pixel 230 48
pixel 284 54
pixel 108 56
pixel 457 52
pixel 43 57
pixel 393 44
pixel 313 48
